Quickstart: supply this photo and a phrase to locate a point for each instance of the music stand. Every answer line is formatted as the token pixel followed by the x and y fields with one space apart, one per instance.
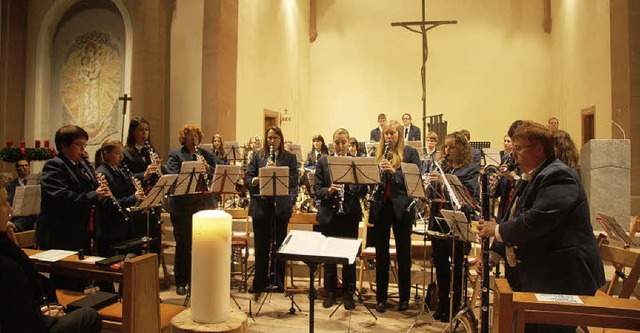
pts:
pixel 615 231
pixel 232 151
pixel 26 200
pixel 295 149
pixel 417 145
pixel 371 148
pixel 189 178
pixel 313 249
pixel 491 156
pixel 32 179
pixel 225 179
pixel 274 182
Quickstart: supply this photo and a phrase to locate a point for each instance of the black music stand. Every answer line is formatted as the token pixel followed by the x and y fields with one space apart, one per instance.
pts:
pixel 225 179
pixel 313 249
pixel 232 151
pixel 274 183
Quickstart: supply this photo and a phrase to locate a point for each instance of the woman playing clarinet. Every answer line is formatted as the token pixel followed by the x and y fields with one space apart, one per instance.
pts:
pixel 389 209
pixel 270 214
pixel 139 154
pixel 459 162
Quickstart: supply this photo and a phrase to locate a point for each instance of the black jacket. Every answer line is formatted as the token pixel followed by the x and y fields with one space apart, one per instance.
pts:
pixel 110 224
pixel 284 205
pixel 67 198
pixel 414 133
pixel 329 203
pixel 190 202
pixel 375 134
pixel 552 236
pixel 399 198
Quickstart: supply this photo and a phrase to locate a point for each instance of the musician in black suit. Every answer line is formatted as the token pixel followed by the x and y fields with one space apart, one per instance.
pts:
pixel 113 226
pixel 376 133
pixel 182 207
pixel 318 149
pixel 354 149
pixel 267 215
pixel 388 210
pixel 459 162
pixel 145 164
pixel 477 154
pixel 549 236
pixel 410 132
pixel 28 303
pixel 21 223
pixel 69 190
pixel 338 224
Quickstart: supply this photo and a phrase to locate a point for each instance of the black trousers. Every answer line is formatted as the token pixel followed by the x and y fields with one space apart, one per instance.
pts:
pixel 340 226
pixel 402 234
pixel 265 230
pixel 441 252
pixel 182 230
pixel 84 320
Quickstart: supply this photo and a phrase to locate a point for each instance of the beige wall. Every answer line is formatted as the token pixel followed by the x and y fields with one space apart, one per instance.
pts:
pixel 273 65
pixel 582 65
pixel 186 67
pixel 491 68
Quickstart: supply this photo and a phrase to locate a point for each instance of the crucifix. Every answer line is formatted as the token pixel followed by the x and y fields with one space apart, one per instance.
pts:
pixel 424 27
pixel 126 98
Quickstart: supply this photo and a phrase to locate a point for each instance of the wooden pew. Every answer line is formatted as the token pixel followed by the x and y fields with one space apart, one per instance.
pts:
pixel 622 258
pixel 139 311
pixel 512 310
pixel 26 238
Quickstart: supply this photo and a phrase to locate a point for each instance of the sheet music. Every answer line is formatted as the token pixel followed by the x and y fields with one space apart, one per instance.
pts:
pixel 413 180
pixel 371 147
pixel 187 169
pixel 274 186
pixel 232 150
pixel 312 243
pixel 26 200
pixel 614 230
pixel 491 156
pixel 33 179
pixel 156 195
pixel 225 178
pixel 52 255
pixel 294 149
pixel 206 146
pixel 342 169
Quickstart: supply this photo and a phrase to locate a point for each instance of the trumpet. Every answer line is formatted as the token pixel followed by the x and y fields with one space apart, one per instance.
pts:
pixel 152 157
pixel 99 179
pixel 377 190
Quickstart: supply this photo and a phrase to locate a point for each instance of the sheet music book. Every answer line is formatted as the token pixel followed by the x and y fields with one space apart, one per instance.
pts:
pixel 26 200
pixel 52 255
pixel 614 230
pixel 491 156
pixel 418 146
pixel 295 149
pixel 413 180
pixel 232 150
pixel 33 179
pixel 225 178
pixel 461 192
pixel 274 181
pixel 354 170
pixel 459 224
pixel 314 247
pixel 158 191
pixel 188 169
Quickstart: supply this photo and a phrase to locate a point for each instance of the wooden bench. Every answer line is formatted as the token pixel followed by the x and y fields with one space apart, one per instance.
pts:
pixel 512 310
pixel 26 238
pixel 139 311
pixel 623 260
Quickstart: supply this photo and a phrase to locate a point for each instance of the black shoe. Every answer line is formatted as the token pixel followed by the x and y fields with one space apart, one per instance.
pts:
pixel 404 305
pixel 381 307
pixel 256 295
pixel 181 290
pixel 440 313
pixel 347 300
pixel 329 300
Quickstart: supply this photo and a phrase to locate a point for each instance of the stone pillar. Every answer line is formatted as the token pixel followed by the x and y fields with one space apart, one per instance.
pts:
pixel 150 69
pixel 219 68
pixel 13 36
pixel 606 172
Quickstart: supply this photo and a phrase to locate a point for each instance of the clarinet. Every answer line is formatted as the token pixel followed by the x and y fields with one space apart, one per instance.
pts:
pixel 272 155
pixel 152 159
pixel 377 190
pixel 113 199
pixel 486 215
pixel 136 185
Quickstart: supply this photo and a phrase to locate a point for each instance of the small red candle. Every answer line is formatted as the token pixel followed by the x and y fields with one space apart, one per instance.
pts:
pixel 37 143
pixel 22 144
pixel 9 143
pixel 46 143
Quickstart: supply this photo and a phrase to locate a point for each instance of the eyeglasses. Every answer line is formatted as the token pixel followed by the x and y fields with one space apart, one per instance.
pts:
pixel 273 138
pixel 80 145
pixel 517 149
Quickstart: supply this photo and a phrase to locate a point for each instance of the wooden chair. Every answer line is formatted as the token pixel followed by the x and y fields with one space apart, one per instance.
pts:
pixel 367 255
pixel 300 221
pixel 622 260
pixel 25 239
pixel 240 248
pixel 634 227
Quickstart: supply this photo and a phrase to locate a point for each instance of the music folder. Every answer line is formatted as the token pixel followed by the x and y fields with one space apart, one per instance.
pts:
pixel 313 247
pixel 26 200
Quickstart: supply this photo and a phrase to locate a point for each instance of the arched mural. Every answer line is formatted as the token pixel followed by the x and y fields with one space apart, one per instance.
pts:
pixel 90 83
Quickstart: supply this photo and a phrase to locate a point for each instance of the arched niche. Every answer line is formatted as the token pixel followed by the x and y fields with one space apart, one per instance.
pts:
pixel 54 45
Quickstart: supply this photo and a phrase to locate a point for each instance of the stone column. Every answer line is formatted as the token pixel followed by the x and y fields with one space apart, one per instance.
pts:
pixel 219 68
pixel 606 172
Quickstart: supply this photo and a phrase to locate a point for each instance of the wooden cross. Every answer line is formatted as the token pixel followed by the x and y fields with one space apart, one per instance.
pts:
pixel 126 98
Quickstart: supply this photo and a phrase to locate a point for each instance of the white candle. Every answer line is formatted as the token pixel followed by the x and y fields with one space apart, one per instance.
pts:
pixel 211 266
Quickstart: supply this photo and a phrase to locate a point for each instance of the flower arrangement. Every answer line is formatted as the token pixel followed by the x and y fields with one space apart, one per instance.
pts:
pixel 13 154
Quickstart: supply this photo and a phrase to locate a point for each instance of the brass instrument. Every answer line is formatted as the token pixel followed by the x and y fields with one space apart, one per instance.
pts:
pixel 378 189
pixel 99 181
pixel 486 215
pixel 152 157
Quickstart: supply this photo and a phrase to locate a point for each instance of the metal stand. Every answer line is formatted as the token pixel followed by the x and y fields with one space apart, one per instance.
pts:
pixel 423 306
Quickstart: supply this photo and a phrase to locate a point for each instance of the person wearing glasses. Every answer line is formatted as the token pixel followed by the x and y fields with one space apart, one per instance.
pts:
pixel 410 132
pixel 458 161
pixel 548 234
pixel 21 223
pixel 270 214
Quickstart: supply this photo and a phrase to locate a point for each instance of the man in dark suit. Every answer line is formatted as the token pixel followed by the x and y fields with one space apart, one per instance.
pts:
pixel 69 190
pixel 409 131
pixel 21 223
pixel 376 133
pixel 548 235
pixel 268 215
pixel 182 207
pixel 338 224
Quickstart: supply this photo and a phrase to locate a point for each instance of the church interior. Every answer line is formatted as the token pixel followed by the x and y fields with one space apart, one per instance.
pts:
pixel 237 67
